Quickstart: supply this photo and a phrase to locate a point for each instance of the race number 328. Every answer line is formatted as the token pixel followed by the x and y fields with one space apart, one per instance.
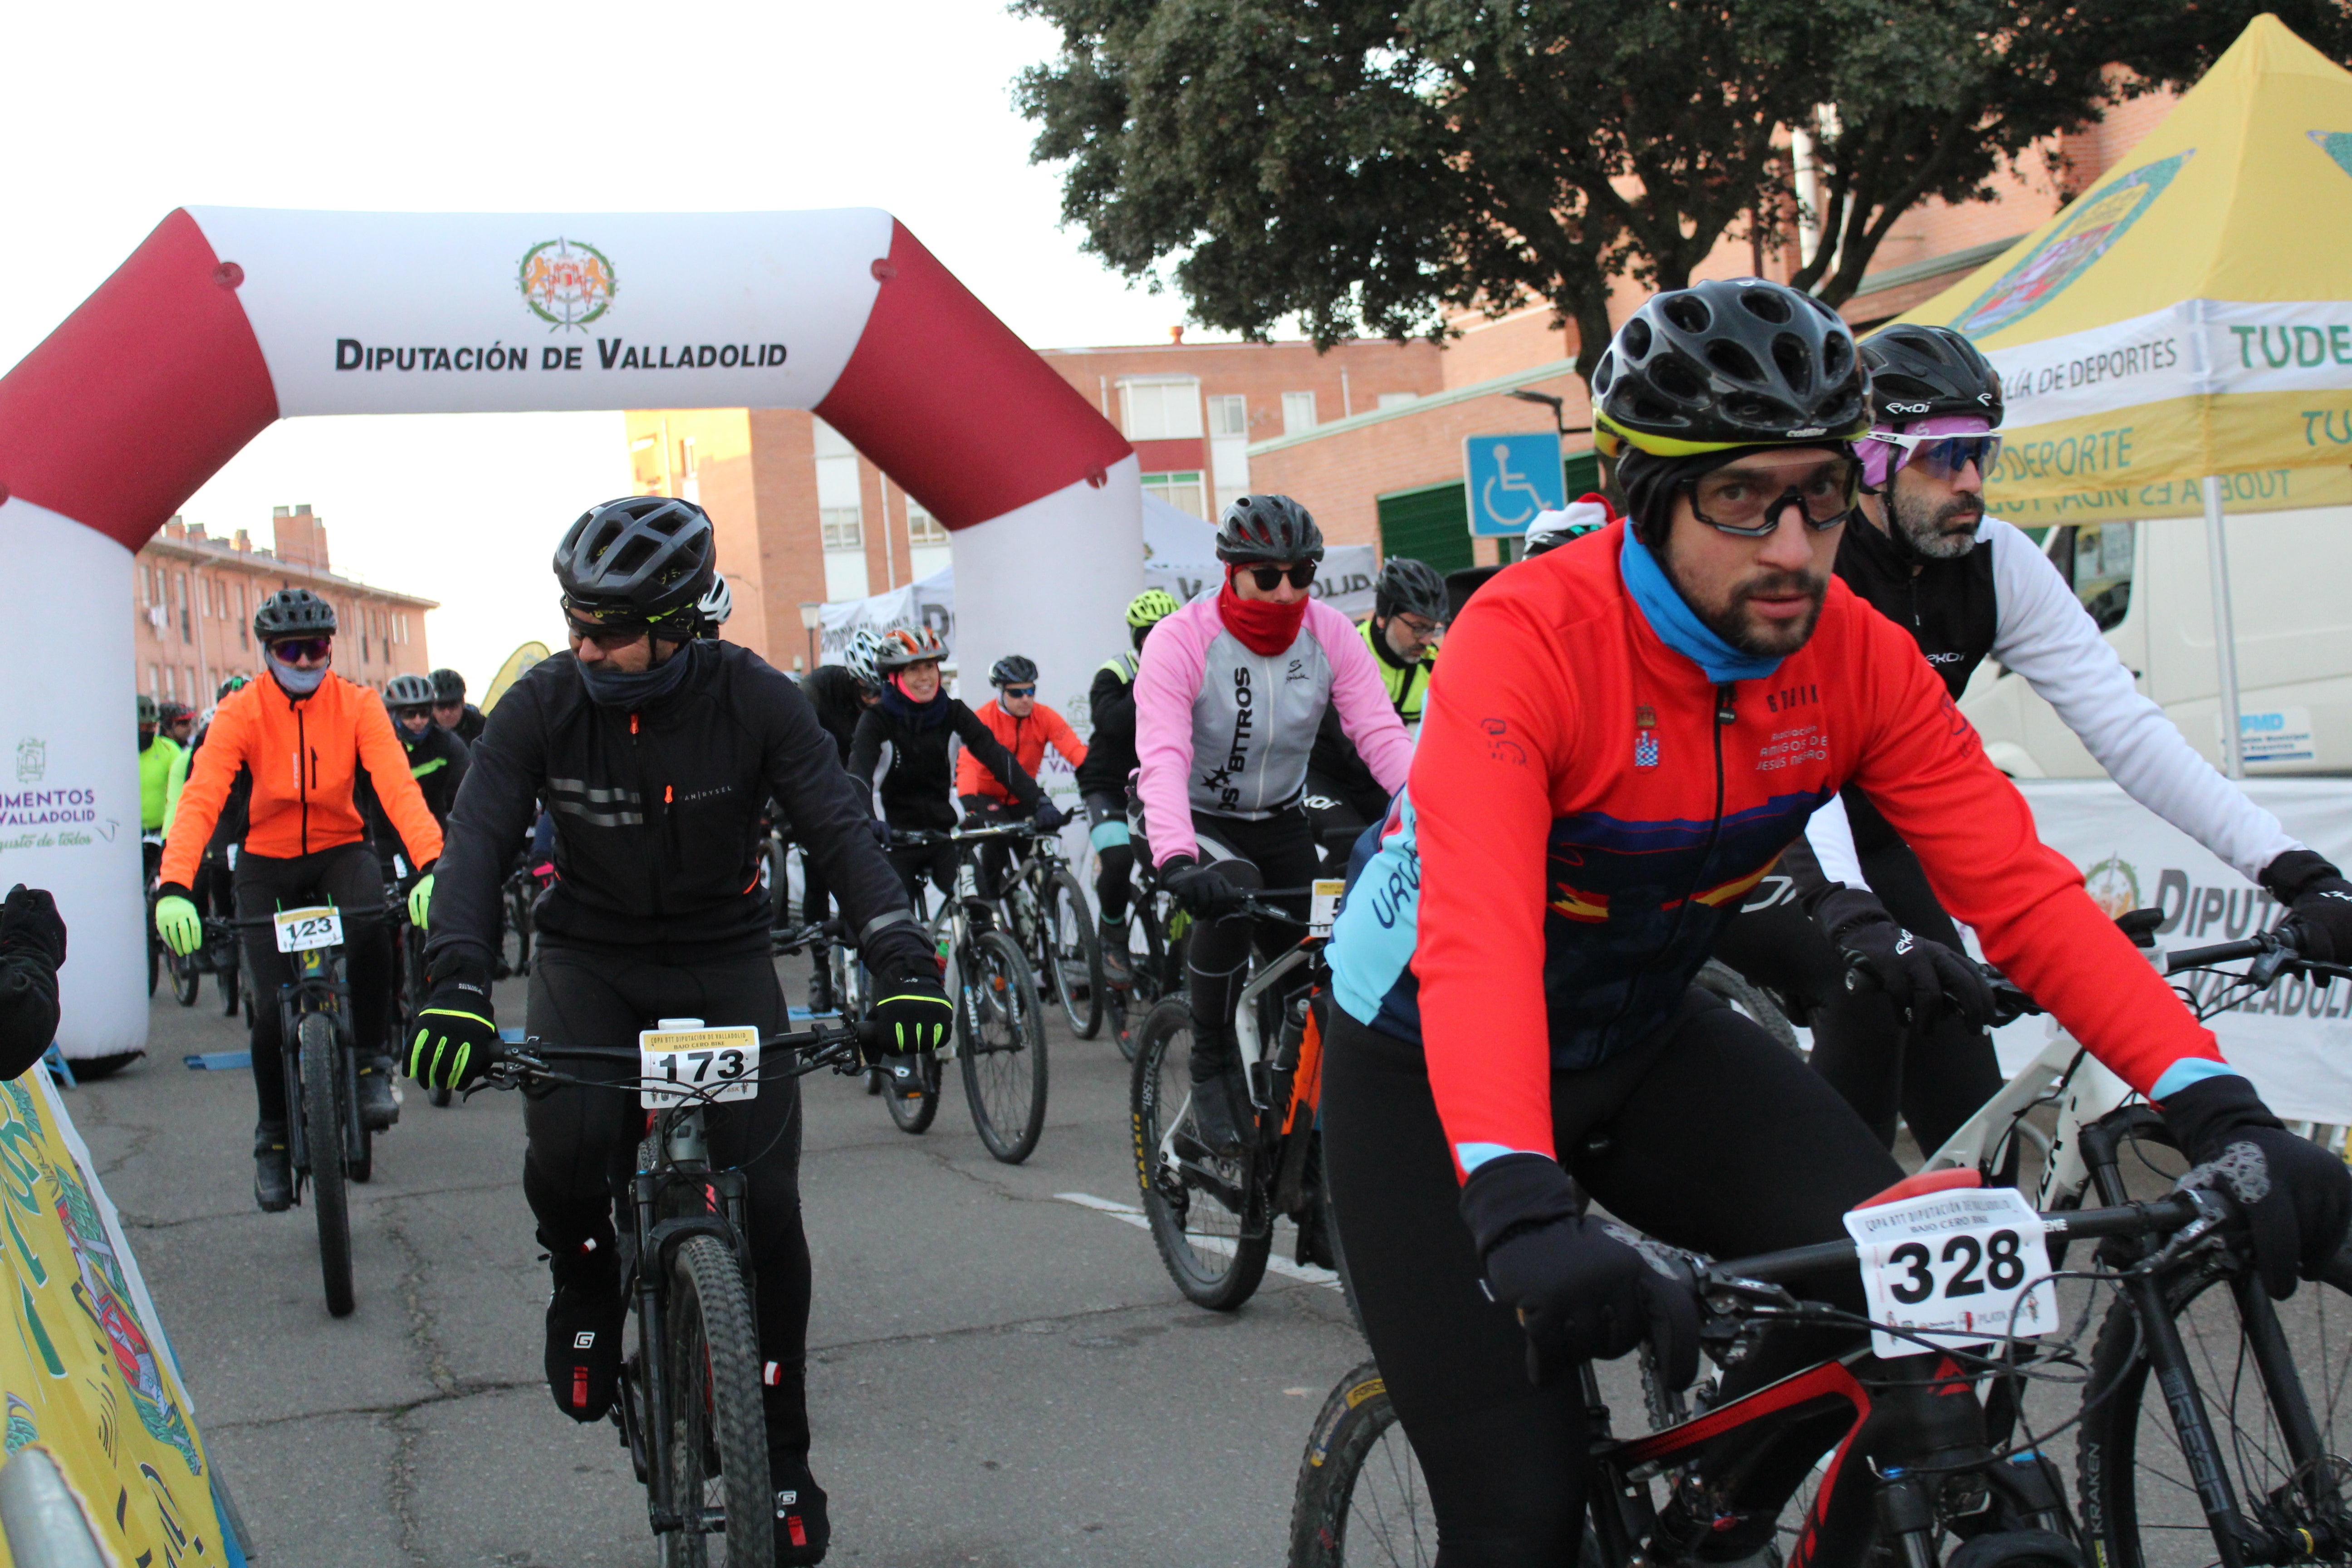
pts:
pixel 1954 1267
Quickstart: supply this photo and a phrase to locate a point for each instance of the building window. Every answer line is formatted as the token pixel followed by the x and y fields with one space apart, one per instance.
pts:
pixel 1229 415
pixel 155 682
pixel 1183 491
pixel 1398 399
pixel 187 622
pixel 689 469
pixel 1298 413
pixel 927 543
pixel 844 528
pixel 1161 409
pixel 922 528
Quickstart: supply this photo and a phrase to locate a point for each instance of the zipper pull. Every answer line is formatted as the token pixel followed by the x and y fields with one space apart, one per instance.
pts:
pixel 1723 713
pixel 632 723
pixel 668 796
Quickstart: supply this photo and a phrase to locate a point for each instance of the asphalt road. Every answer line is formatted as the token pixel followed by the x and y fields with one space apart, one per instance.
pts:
pixel 1001 1374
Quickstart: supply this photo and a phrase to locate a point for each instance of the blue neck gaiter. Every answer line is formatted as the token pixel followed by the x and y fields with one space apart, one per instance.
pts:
pixel 1679 626
pixel 612 689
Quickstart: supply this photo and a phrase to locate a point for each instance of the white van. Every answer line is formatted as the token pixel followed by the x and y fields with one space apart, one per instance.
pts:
pixel 2149 587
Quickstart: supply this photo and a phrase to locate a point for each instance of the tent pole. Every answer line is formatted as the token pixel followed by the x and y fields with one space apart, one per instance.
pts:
pixel 2225 628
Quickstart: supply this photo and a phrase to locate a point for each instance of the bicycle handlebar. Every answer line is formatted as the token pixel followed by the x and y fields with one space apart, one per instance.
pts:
pixel 837 1046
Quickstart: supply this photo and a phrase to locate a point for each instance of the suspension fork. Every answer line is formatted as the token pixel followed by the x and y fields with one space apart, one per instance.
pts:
pixel 2274 1362
pixel 660 1505
pixel 2168 1358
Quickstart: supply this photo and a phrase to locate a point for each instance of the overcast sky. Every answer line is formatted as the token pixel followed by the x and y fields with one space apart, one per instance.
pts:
pixel 585 106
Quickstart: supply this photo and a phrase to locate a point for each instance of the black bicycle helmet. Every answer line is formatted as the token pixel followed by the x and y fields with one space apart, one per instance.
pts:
pixel 1729 363
pixel 1013 670
pixel 170 713
pixel 448 686
pixel 1268 528
pixel 293 613
pixel 639 560
pixel 1411 587
pixel 409 691
pixel 1919 373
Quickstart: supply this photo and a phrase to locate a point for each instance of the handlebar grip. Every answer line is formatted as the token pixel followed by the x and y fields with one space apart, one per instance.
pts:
pixel 2265 943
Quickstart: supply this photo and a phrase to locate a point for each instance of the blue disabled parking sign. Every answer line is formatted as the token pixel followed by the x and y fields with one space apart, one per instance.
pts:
pixel 1510 479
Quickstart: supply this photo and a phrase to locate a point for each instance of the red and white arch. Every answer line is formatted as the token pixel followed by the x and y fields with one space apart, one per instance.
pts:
pixel 227 319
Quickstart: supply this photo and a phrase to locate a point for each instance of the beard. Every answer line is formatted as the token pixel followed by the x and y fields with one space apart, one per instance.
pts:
pixel 1735 624
pixel 1942 531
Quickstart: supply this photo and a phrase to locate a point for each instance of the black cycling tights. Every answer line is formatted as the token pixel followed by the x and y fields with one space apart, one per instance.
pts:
pixel 1277 852
pixel 1937 1077
pixel 1708 1135
pixel 348 877
pixel 582 1143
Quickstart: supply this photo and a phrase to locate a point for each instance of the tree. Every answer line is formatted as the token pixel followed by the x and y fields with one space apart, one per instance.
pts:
pixel 1372 165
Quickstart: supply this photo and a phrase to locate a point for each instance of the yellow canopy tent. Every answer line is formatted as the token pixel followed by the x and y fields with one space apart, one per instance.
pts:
pixel 2180 338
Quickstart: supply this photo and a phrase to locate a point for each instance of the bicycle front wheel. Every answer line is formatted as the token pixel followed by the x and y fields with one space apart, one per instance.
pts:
pixel 2141 1506
pixel 1003 1054
pixel 915 1113
pixel 322 1137
pixel 1208 1214
pixel 1072 955
pixel 1360 1498
pixel 230 965
pixel 717 1445
pixel 186 980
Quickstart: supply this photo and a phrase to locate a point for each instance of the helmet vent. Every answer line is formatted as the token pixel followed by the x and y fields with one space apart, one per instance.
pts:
pixel 1837 356
pixel 1734 361
pixel 1635 335
pixel 1687 311
pixel 1796 366
pixel 1674 379
pixel 1766 305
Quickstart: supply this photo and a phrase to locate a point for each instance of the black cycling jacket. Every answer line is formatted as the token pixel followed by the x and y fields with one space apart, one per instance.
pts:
pixel 438 761
pixel 657 834
pixel 836 694
pixel 919 791
pixel 1110 748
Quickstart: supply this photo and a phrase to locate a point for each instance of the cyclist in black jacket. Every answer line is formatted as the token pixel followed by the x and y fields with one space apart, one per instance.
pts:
pixel 436 760
pixel 916 719
pixel 657 753
pixel 841 693
pixel 1102 777
pixel 32 946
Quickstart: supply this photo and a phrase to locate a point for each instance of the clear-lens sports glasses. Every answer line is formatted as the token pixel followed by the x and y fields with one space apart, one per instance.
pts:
pixel 1747 498
pixel 1942 456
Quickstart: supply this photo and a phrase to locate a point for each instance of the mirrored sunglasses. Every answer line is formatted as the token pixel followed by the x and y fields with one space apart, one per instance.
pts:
pixel 294 650
pixel 1944 456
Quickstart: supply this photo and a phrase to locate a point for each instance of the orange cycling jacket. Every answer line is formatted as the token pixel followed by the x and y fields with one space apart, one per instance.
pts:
pixel 305 758
pixel 1026 739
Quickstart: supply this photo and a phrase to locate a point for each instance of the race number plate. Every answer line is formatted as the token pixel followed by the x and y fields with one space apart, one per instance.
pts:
pixel 1326 906
pixel 1954 1266
pixel 703 1065
pixel 300 931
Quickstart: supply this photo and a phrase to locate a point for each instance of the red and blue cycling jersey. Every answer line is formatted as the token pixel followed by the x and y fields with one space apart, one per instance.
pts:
pixel 1587 808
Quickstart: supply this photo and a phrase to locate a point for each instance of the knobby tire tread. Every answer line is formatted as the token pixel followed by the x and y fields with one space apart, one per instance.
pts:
pixel 1227 1288
pixel 323 1134
pixel 994 952
pixel 709 1304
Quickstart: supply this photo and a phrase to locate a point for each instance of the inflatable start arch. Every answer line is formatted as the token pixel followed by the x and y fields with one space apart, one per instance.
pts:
pixel 227 319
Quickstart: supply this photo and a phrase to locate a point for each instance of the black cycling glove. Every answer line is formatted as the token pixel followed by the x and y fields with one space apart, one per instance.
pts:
pixel 1199 887
pixel 1919 977
pixel 912 1013
pixel 1582 1293
pixel 2318 901
pixel 2297 1195
pixel 452 1041
pixel 1050 817
pixel 29 922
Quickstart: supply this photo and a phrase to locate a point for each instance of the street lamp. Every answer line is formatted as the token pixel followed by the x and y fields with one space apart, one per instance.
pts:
pixel 811 618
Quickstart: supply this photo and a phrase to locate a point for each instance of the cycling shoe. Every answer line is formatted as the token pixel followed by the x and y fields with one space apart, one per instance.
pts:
pixel 803 1530
pixel 1221 1111
pixel 378 1110
pixel 273 1169
pixel 583 1332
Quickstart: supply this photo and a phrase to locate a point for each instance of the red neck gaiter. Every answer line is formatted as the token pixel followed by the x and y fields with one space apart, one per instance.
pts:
pixel 1263 626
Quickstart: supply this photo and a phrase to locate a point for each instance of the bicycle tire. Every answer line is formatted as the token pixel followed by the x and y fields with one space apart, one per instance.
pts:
pixel 717 1445
pixel 231 973
pixel 323 1134
pixel 1002 1028
pixel 187 980
pixel 1734 988
pixel 1359 1481
pixel 1213 1248
pixel 914 1115
pixel 154 951
pixel 1073 955
pixel 1130 1008
pixel 514 937
pixel 2139 1507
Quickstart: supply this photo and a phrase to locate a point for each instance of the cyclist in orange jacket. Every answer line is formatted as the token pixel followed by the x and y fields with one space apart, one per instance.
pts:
pixel 1026 727
pixel 303 734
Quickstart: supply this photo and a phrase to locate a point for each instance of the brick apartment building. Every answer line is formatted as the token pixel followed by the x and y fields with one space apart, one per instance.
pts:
pixel 1368 436
pixel 192 598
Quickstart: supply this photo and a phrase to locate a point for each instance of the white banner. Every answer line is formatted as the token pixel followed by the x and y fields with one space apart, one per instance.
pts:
pixel 442 312
pixel 2295 1040
pixel 2197 346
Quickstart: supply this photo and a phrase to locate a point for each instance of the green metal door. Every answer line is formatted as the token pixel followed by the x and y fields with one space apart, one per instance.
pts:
pixel 1431 523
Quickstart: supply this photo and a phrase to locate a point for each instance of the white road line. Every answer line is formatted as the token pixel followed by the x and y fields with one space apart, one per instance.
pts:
pixel 1129 1213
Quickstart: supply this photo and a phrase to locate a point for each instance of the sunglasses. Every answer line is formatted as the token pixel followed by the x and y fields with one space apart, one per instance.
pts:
pixel 1943 455
pixel 294 650
pixel 1746 500
pixel 1020 691
pixel 609 638
pixel 1268 578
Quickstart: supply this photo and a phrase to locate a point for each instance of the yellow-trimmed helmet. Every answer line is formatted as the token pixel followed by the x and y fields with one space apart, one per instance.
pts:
pixel 1151 607
pixel 1727 363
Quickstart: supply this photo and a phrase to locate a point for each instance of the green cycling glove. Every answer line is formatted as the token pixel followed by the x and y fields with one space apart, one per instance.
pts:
pixel 179 924
pixel 420 901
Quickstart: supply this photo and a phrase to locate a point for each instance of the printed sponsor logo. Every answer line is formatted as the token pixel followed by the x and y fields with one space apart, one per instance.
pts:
pixel 32 759
pixel 2098 221
pixel 566 283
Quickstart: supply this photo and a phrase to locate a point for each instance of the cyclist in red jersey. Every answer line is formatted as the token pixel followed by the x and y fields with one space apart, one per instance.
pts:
pixel 1622 739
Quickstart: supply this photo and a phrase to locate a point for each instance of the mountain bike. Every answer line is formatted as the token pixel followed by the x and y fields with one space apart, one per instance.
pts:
pixel 1920 1474
pixel 1156 930
pixel 688 1407
pixel 1044 907
pixel 409 983
pixel 327 1143
pixel 517 897
pixel 999 1035
pixel 1211 1214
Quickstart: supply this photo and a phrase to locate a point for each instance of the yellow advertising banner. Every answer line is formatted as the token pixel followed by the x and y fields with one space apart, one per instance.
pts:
pixel 85 1371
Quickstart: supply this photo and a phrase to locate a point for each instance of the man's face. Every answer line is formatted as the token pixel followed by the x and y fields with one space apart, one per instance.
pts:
pixel 1019 701
pixel 1762 596
pixel 184 728
pixel 1939 509
pixel 1409 635
pixel 1247 584
pixel 446 714
pixel 415 721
